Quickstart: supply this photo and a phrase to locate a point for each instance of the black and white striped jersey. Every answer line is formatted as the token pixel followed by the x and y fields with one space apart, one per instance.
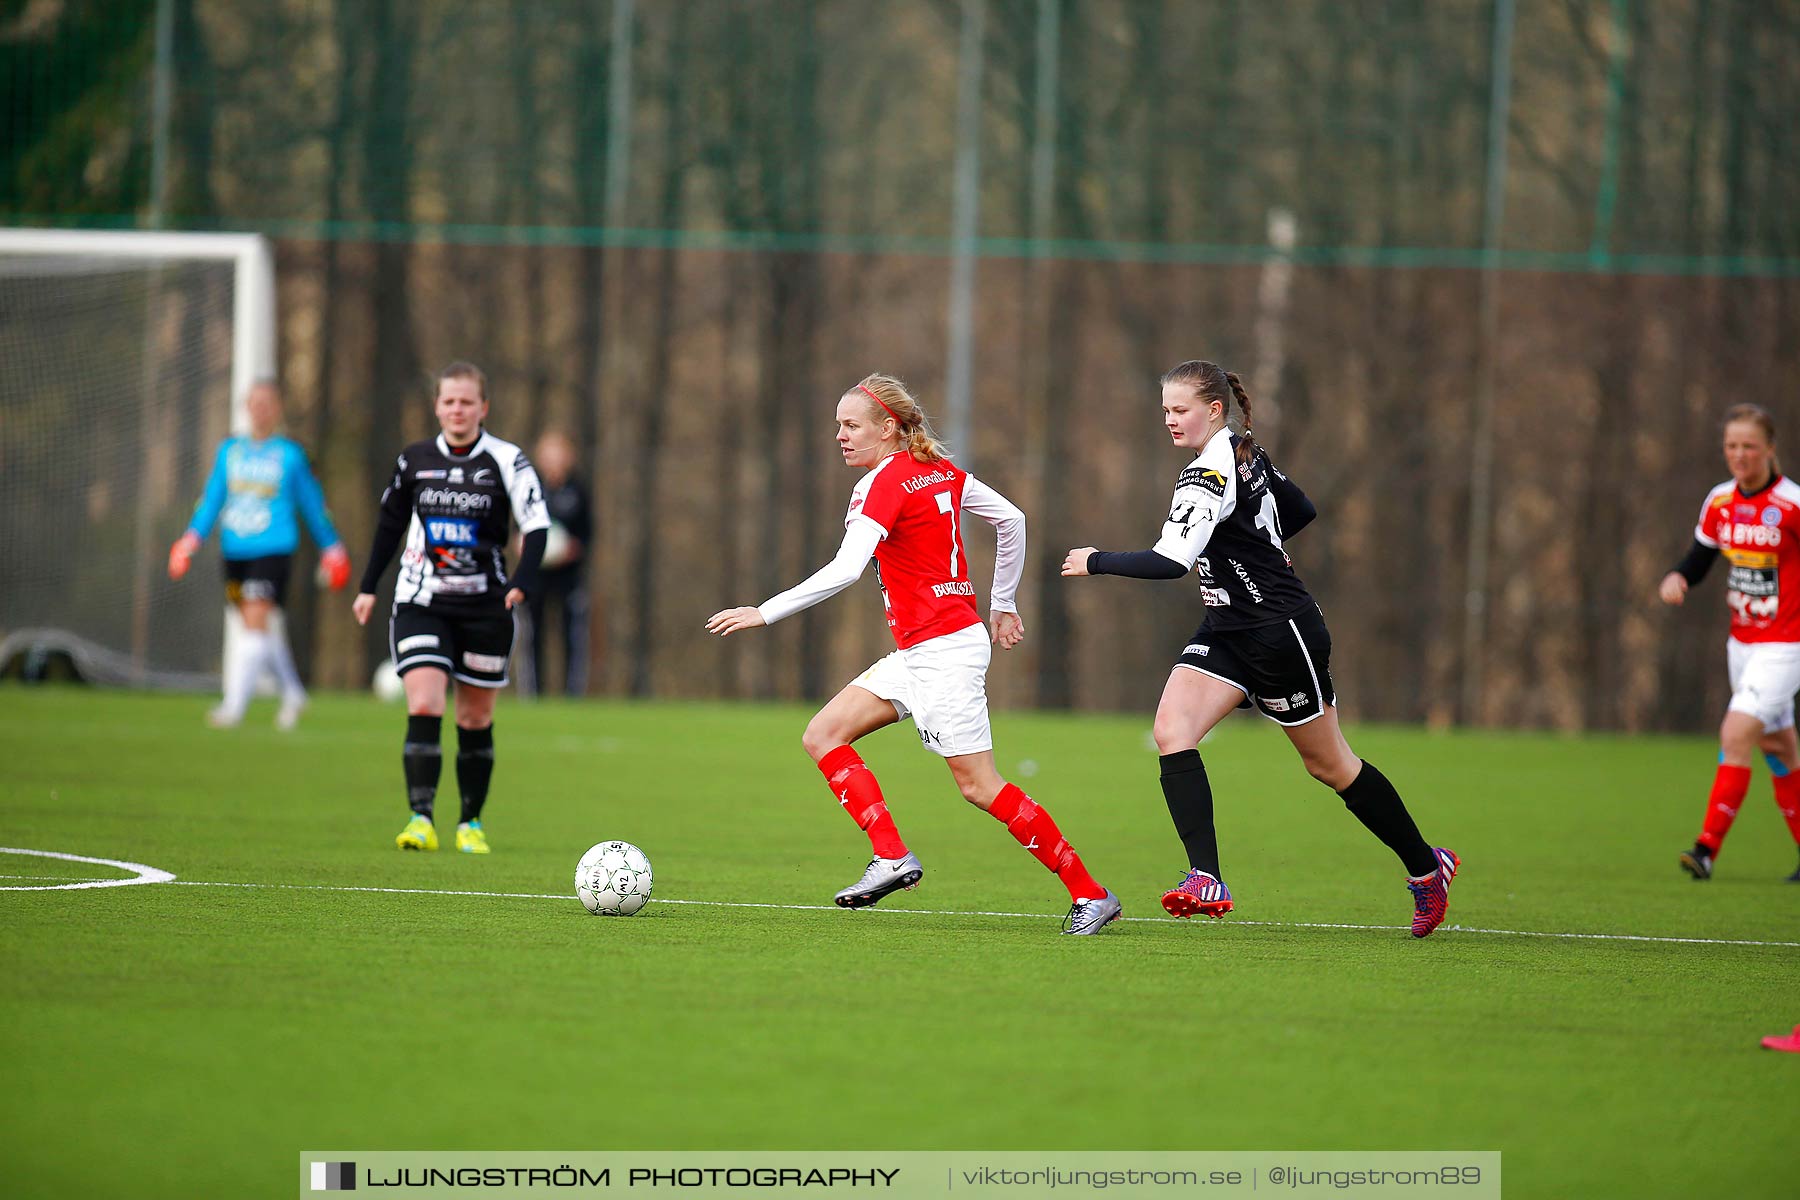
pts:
pixel 1227 521
pixel 457 509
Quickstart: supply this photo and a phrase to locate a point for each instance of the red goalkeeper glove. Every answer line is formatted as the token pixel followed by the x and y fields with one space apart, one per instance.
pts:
pixel 181 554
pixel 334 564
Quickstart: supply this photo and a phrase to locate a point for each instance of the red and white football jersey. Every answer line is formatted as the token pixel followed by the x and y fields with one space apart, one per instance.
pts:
pixel 924 572
pixel 1759 538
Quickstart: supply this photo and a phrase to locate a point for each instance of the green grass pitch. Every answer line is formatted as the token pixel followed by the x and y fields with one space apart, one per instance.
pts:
pixel 165 1036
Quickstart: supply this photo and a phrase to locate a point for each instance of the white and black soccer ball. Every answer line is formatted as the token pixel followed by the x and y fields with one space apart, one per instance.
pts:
pixel 613 879
pixel 386 683
pixel 559 547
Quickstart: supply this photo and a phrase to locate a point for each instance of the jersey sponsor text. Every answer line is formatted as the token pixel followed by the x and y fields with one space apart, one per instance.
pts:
pixel 923 481
pixel 458 524
pixel 460 501
pixel 1762 578
pixel 919 507
pixel 449 531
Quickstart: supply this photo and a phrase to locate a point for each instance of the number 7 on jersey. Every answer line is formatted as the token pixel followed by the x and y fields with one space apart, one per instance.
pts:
pixel 946 507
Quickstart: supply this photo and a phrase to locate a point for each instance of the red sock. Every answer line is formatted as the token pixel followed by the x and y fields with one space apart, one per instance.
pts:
pixel 1729 787
pixel 856 788
pixel 1034 829
pixel 1787 799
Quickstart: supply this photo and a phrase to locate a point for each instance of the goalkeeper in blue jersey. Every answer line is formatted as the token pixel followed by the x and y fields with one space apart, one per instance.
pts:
pixel 260 488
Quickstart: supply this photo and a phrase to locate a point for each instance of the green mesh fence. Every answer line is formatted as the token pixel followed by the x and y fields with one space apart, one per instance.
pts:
pixel 1641 136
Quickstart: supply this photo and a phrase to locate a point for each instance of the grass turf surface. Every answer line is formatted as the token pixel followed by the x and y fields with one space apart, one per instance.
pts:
pixel 166 1037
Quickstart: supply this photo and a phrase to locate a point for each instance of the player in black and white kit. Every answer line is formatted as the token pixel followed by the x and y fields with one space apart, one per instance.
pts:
pixel 1263 642
pixel 452 500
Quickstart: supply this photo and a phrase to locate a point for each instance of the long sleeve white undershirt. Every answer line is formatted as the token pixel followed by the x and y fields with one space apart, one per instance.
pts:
pixel 1009 548
pixel 861 536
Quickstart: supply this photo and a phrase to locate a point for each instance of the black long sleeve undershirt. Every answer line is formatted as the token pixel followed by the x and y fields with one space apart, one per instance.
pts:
pixel 1135 564
pixel 531 553
pixel 1697 562
pixel 1292 507
pixel 389 529
pixel 1293 510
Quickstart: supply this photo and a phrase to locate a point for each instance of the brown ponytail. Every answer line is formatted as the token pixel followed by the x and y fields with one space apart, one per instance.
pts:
pixel 1246 448
pixel 1211 383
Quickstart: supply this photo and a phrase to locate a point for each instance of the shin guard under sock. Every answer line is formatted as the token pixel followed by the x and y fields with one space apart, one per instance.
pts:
pixel 857 790
pixel 423 760
pixel 1188 793
pixel 474 769
pixel 1730 786
pixel 1372 800
pixel 1034 829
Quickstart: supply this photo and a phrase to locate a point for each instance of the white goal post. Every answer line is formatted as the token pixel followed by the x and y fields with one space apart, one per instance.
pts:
pixel 124 357
pixel 252 292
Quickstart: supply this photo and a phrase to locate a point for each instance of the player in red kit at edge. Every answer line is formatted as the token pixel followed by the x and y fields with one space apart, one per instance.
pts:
pixel 1753 520
pixel 904 514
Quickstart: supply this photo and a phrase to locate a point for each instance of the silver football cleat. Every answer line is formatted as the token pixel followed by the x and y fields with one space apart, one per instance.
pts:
pixel 1091 916
pixel 884 875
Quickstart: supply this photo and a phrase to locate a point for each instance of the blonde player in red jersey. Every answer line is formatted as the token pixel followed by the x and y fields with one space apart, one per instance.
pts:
pixel 1753 520
pixel 905 514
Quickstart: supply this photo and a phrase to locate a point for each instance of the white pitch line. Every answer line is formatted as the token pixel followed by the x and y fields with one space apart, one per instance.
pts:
pixel 1602 937
pixel 339 887
pixel 914 912
pixel 140 873
pixel 945 912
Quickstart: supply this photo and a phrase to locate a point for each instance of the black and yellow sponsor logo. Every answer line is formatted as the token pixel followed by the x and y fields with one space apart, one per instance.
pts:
pixel 1765 560
pixel 1204 477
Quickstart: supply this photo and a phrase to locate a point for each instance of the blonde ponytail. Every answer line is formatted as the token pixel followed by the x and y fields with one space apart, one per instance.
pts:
pixel 889 398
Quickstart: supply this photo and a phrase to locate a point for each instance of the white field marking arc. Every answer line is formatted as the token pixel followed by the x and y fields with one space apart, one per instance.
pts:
pixel 142 874
pixel 165 877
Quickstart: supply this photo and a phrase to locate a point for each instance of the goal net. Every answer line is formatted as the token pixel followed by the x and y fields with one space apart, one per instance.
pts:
pixel 124 360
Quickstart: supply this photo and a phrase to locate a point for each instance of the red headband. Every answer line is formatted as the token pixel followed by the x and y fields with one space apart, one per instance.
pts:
pixel 877 399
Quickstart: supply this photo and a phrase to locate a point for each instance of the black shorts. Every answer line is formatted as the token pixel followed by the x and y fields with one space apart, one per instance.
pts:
pixel 258 579
pixel 473 648
pixel 1285 669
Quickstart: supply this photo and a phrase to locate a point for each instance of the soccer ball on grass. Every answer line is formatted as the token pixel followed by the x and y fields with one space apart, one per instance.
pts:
pixel 386 683
pixel 613 879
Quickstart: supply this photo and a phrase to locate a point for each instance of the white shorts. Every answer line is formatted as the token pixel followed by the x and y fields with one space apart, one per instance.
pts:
pixel 1764 678
pixel 942 685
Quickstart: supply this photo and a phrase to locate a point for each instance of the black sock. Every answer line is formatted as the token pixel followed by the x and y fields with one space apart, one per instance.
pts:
pixel 474 768
pixel 1372 800
pixel 423 760
pixel 1190 799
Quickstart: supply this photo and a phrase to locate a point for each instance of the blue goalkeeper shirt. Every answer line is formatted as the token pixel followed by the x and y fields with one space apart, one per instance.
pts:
pixel 256 492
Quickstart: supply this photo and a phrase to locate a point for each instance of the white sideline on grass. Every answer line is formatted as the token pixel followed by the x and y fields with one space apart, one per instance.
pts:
pixel 159 876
